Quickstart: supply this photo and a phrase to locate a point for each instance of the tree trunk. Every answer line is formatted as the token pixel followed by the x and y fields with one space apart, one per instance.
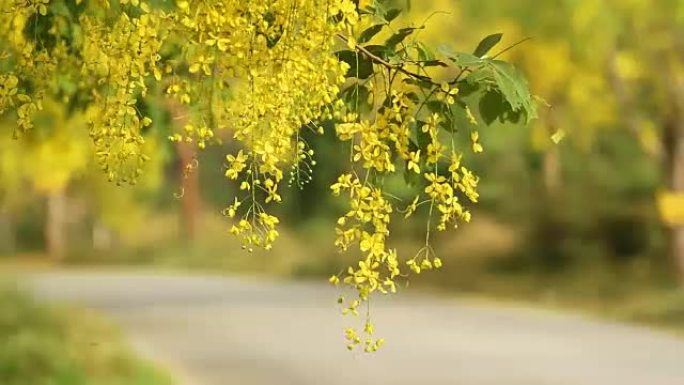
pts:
pixel 55 225
pixel 7 233
pixel 190 200
pixel 102 237
pixel 675 152
pixel 188 176
pixel 550 231
pixel 677 250
pixel 551 171
pixel 673 142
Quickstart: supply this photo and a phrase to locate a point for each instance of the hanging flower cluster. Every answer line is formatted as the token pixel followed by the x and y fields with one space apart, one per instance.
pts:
pixel 264 71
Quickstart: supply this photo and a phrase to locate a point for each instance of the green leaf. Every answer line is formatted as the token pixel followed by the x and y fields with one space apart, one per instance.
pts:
pixel 369 33
pixel 413 146
pixel 492 107
pixel 461 59
pixel 413 97
pixel 360 66
pixel 423 84
pixel 480 76
pixel 513 86
pixel 433 63
pixel 424 52
pixel 422 138
pixel 487 44
pixel 399 36
pixel 357 95
pixel 379 7
pixel 467 88
pixel 437 107
pixel 427 57
pixel 466 60
pixel 392 14
pixel 380 51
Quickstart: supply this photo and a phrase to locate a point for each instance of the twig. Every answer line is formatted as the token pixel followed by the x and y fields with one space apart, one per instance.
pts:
pixel 387 64
pixel 511 47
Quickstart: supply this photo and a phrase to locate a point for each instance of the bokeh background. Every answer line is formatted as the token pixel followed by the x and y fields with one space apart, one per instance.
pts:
pixel 595 222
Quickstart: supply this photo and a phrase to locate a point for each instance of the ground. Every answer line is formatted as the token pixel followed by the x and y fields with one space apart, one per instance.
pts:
pixel 222 331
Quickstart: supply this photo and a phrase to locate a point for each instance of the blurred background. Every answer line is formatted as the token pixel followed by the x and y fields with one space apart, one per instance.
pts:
pixel 595 222
pixel 594 219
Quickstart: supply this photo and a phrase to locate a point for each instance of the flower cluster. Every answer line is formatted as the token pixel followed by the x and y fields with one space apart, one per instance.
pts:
pixel 397 133
pixel 266 70
pixel 262 72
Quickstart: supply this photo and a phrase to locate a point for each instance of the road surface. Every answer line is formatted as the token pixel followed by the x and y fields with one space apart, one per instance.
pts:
pixel 225 331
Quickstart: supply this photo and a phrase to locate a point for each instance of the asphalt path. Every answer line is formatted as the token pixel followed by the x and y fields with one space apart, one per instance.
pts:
pixel 242 331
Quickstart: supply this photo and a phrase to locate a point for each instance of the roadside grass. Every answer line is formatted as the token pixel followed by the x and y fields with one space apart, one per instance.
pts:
pixel 477 261
pixel 625 294
pixel 661 309
pixel 214 250
pixel 46 345
pixel 475 265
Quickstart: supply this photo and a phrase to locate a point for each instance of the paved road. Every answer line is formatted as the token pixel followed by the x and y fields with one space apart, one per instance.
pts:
pixel 225 331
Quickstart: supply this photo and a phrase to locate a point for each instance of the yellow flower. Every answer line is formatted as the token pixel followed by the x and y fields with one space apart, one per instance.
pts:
pixel 236 163
pixel 372 243
pixel 412 207
pixel 335 280
pixel 414 161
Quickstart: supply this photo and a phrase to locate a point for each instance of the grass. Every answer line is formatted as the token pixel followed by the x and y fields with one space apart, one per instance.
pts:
pixel 45 345
pixel 624 294
pixel 213 250
pixel 663 309
pixel 473 266
pixel 476 265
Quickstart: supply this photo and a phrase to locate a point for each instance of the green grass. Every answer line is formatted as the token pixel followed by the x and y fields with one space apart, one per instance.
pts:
pixel 46 345
pixel 663 309
pixel 626 293
pixel 478 261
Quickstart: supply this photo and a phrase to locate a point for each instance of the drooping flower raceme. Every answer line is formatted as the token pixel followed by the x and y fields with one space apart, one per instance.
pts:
pixel 259 73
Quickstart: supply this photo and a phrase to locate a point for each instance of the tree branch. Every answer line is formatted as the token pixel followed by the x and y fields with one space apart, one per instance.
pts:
pixel 385 63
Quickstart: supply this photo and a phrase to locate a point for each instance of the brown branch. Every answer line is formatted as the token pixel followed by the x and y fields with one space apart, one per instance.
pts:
pixel 385 63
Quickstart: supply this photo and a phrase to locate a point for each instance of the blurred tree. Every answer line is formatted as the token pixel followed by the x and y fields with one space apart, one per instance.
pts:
pixel 10 192
pixel 611 69
pixel 45 162
pixel 648 82
pixel 117 212
pixel 56 153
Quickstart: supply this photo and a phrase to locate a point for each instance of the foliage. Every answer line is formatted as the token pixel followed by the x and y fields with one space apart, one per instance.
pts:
pixel 40 345
pixel 615 95
pixel 265 72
